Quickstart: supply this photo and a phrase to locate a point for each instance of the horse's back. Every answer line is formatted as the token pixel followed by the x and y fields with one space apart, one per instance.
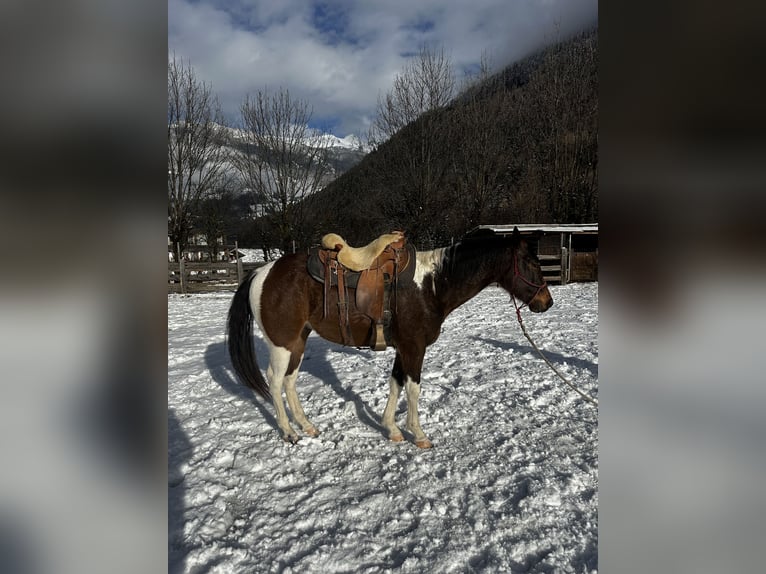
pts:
pixel 288 280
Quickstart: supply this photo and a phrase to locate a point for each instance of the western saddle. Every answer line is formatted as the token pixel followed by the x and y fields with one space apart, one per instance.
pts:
pixel 372 273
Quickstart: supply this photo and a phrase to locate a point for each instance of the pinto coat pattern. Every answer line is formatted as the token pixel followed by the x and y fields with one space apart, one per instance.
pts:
pixel 288 305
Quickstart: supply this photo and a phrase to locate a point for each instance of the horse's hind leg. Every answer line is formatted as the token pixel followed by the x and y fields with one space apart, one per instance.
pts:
pixel 291 394
pixel 279 364
pixel 283 373
pixel 295 406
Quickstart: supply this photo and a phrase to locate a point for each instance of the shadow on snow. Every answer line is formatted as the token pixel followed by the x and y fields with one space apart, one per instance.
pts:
pixel 553 356
pixel 316 362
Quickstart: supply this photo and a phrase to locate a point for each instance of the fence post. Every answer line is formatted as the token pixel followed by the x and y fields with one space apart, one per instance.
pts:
pixel 181 269
pixel 564 265
pixel 239 263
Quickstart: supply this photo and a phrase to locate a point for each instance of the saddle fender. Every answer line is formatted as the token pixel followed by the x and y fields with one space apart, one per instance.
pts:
pixel 372 287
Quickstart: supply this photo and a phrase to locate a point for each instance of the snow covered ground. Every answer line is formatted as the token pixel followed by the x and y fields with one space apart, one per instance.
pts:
pixel 511 484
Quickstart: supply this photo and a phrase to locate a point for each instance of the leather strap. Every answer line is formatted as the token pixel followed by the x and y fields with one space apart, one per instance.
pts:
pixel 343 319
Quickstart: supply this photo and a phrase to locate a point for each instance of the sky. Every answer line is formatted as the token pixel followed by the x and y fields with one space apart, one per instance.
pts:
pixel 340 56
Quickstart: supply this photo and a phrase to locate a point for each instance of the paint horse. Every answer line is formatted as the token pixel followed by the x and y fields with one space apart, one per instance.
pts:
pixel 288 305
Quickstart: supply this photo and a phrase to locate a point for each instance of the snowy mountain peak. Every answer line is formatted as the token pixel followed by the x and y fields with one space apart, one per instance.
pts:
pixel 314 139
pixel 349 142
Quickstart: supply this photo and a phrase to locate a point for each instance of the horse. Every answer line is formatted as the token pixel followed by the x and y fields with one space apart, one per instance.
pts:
pixel 288 304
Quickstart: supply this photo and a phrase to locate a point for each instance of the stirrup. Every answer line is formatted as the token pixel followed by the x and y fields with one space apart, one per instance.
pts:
pixel 380 339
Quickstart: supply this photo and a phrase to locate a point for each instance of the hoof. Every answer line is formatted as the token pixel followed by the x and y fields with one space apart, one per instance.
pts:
pixel 423 443
pixel 396 438
pixel 312 431
pixel 292 439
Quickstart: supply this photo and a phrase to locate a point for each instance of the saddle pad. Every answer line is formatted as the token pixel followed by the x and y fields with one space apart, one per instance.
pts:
pixel 316 270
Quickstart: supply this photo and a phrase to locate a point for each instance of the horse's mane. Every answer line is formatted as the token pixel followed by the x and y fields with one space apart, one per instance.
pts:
pixel 463 259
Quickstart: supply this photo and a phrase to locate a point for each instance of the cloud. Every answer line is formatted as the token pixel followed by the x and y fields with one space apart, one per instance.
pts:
pixel 341 55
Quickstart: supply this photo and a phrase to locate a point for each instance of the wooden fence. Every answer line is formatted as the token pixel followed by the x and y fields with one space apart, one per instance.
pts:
pixel 569 266
pixel 551 266
pixel 584 266
pixel 201 277
pixel 197 277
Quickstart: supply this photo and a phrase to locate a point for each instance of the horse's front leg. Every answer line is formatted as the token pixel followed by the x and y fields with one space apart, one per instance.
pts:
pixel 406 373
pixel 388 421
pixel 413 419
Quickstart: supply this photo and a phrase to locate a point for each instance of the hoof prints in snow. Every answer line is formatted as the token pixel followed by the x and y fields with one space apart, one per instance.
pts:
pixel 511 484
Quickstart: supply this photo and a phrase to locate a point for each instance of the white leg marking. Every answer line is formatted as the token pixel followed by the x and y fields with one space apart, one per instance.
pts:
pixel 275 374
pixel 428 263
pixel 279 357
pixel 413 420
pixel 388 414
pixel 295 405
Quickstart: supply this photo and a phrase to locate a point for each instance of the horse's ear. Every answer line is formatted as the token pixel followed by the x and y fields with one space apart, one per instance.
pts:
pixel 516 234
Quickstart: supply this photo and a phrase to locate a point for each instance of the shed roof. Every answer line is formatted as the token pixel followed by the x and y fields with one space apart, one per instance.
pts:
pixel 546 227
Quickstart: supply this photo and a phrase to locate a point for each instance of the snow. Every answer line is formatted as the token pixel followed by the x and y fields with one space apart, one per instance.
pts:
pixel 351 141
pixel 314 138
pixel 250 255
pixel 511 484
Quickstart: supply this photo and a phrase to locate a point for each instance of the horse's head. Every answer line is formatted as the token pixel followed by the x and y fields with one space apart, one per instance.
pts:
pixel 523 277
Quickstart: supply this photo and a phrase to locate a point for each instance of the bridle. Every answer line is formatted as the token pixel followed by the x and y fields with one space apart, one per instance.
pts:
pixel 516 274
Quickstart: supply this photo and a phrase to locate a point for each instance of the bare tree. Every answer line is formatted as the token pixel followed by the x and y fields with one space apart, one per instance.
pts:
pixel 481 156
pixel 196 158
pixel 474 80
pixel 426 83
pixel 216 218
pixel 479 148
pixel 285 161
pixel 417 162
pixel 561 133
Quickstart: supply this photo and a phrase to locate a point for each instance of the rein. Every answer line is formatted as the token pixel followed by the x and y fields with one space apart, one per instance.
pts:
pixel 524 330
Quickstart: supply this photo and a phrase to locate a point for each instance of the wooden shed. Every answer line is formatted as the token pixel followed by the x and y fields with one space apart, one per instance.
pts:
pixel 567 252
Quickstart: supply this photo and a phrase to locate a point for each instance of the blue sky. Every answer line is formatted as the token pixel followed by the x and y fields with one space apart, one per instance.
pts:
pixel 340 55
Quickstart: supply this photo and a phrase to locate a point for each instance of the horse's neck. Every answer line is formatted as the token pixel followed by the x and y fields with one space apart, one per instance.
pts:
pixel 462 275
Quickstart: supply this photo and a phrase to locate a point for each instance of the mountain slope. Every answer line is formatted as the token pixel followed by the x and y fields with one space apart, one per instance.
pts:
pixel 520 146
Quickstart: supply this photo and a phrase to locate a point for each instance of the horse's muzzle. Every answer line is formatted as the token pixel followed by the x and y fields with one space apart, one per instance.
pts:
pixel 541 302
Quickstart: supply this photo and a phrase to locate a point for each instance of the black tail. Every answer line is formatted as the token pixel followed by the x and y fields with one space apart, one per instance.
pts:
pixel 241 351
